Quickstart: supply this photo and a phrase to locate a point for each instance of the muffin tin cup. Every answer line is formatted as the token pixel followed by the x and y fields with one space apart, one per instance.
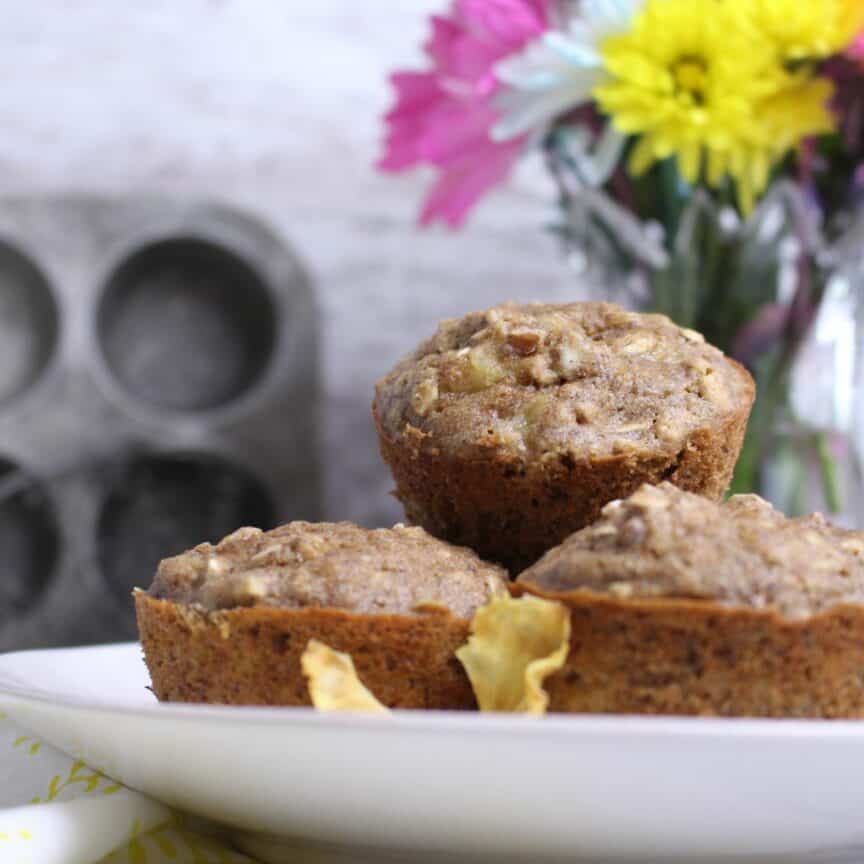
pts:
pixel 186 326
pixel 160 388
pixel 162 501
pixel 30 541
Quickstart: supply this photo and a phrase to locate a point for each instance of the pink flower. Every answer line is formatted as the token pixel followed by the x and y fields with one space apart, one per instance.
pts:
pixel 443 117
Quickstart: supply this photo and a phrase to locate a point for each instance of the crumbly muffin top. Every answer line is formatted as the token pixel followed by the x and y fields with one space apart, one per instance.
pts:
pixel 662 542
pixel 589 379
pixel 330 565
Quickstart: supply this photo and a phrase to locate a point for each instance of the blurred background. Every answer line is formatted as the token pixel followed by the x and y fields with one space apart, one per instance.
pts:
pixel 202 275
pixel 119 306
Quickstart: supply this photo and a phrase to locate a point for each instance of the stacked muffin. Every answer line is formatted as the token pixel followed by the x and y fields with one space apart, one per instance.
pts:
pixel 510 431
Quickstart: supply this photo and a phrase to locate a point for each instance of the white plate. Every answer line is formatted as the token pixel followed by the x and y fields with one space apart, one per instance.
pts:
pixel 583 788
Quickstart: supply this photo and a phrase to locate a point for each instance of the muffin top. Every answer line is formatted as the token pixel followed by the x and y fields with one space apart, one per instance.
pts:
pixel 662 542
pixel 330 565
pixel 588 379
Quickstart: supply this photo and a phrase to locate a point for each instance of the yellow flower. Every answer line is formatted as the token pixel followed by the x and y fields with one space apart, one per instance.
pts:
pixel 805 29
pixel 793 113
pixel 693 80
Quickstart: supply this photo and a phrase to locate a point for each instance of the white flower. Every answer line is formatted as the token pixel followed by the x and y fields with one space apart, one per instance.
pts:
pixel 594 159
pixel 559 71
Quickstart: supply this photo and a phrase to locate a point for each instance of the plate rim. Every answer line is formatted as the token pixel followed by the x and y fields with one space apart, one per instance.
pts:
pixel 422 722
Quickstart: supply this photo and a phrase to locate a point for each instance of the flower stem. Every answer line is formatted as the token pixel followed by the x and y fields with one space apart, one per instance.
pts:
pixel 828 469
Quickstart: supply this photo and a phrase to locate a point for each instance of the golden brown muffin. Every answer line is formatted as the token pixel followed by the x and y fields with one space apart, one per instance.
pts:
pixel 229 623
pixel 509 429
pixel 680 605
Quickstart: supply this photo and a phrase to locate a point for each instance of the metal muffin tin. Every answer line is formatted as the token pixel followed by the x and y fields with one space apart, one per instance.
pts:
pixel 158 387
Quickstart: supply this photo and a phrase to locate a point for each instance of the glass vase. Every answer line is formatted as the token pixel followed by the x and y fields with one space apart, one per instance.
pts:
pixel 769 292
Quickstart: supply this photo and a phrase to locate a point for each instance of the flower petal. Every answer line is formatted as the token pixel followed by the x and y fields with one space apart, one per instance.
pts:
pixel 445 34
pixel 464 182
pixel 540 66
pixel 690 162
pixel 611 16
pixel 642 156
pixel 521 112
pixel 509 23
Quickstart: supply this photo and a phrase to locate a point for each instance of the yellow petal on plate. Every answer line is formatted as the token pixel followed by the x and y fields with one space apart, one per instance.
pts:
pixel 514 646
pixel 333 681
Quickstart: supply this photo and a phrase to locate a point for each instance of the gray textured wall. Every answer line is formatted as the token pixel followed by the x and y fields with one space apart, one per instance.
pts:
pixel 272 105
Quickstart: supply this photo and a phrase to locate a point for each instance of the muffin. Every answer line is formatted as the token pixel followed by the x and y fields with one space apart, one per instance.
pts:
pixel 509 429
pixel 229 623
pixel 680 605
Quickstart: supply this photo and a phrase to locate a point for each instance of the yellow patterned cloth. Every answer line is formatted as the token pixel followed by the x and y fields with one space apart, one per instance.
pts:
pixel 54 810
